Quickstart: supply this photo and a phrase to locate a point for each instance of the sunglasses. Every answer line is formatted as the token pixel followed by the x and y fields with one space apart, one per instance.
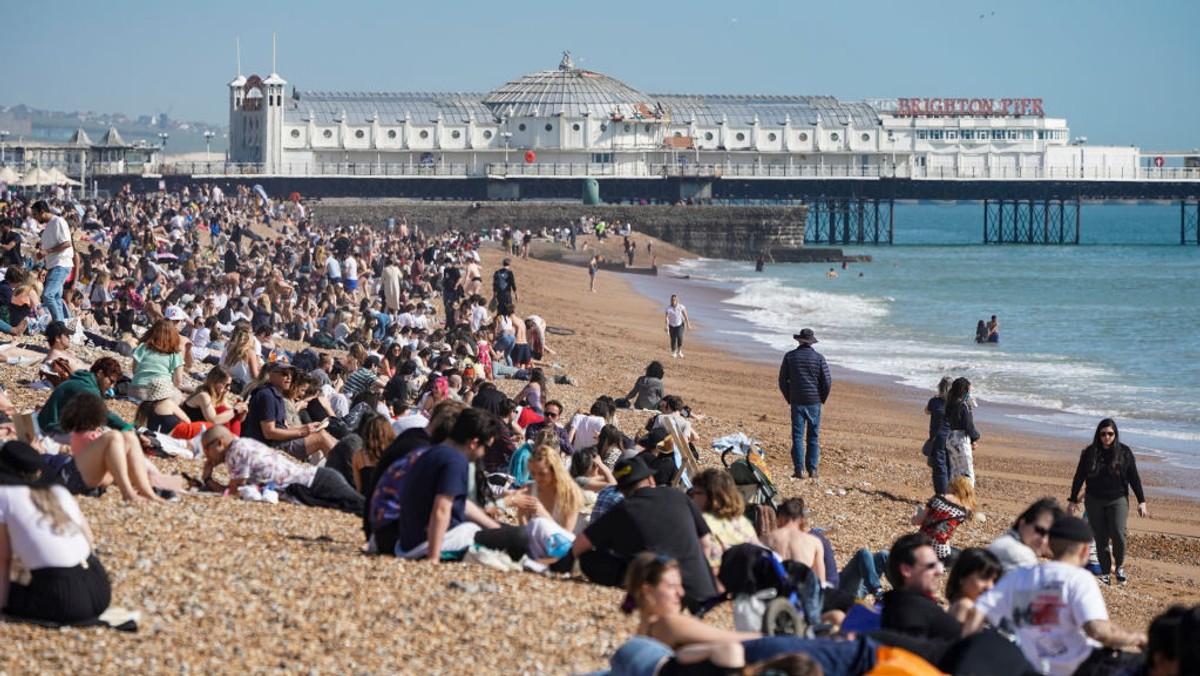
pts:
pixel 1108 433
pixel 1041 531
pixel 931 565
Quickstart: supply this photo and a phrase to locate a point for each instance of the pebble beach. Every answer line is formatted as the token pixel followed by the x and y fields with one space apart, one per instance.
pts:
pixel 226 586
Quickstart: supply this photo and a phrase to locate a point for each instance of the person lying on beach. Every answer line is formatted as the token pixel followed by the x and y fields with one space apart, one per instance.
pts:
pixel 251 463
pixel 101 456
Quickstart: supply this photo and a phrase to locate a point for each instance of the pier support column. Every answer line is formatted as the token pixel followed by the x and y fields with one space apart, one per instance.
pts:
pixel 1189 221
pixel 1029 221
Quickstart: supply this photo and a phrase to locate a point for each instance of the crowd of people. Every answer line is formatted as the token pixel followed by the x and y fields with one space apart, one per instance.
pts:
pixel 356 368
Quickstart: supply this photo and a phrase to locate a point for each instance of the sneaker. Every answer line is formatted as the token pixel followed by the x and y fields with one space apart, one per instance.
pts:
pixel 1121 578
pixel 1105 578
pixel 813 475
pixel 680 354
pixel 797 475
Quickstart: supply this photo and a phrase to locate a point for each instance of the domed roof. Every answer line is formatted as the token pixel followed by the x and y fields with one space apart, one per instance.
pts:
pixel 568 90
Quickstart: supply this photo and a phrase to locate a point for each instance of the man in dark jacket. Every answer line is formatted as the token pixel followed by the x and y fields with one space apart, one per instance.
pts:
pixel 804 381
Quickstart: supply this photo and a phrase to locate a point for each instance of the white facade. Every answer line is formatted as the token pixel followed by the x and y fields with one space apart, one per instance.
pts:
pixel 572 122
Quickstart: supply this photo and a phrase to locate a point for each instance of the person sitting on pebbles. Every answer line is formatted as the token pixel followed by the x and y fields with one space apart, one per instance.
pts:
pixel 252 463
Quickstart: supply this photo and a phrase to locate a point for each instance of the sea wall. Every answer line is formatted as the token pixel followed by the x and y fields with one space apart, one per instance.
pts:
pixel 730 232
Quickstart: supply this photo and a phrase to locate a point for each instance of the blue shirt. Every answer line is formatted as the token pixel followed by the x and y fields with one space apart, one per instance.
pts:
pixel 442 470
pixel 265 405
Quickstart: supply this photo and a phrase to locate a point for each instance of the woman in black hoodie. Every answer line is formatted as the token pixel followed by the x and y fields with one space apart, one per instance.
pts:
pixel 1109 469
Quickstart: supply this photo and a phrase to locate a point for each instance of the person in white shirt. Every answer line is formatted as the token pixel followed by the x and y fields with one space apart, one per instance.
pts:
pixel 1056 608
pixel 58 254
pixel 333 270
pixel 350 275
pixel 45 545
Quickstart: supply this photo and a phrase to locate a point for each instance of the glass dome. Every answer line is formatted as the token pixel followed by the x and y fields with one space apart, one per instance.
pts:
pixel 568 90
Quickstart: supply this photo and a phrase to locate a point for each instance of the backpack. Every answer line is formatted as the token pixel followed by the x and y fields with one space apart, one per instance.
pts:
pixel 500 281
pixel 384 507
pixel 322 341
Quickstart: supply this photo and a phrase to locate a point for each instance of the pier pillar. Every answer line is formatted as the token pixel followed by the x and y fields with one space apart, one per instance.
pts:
pixel 850 221
pixel 1189 221
pixel 1029 221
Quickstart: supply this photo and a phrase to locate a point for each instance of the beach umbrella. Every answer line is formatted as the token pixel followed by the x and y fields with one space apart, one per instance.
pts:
pixel 9 175
pixel 59 178
pixel 258 190
pixel 36 177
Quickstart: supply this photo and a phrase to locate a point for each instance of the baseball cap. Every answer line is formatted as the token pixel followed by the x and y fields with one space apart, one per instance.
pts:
pixel 175 314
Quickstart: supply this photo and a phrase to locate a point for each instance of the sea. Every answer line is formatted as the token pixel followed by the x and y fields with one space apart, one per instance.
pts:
pixel 1106 328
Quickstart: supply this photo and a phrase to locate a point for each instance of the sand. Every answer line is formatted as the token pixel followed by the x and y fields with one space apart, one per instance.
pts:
pixel 226 585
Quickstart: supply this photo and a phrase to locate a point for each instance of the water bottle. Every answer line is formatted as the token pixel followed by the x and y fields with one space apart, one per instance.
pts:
pixel 557 545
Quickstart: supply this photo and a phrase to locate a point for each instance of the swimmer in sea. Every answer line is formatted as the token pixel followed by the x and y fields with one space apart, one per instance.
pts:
pixel 981 332
pixel 993 330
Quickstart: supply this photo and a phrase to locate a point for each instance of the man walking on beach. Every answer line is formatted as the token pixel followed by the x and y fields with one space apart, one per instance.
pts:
pixel 504 285
pixel 58 255
pixel 804 381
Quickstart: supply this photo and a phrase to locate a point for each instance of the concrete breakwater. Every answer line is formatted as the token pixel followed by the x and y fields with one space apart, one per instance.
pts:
pixel 729 232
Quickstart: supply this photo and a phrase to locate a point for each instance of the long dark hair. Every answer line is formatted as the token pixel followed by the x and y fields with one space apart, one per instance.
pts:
pixel 1116 459
pixel 971 560
pixel 958 392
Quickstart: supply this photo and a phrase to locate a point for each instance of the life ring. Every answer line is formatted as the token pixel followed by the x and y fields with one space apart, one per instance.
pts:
pixel 1159 161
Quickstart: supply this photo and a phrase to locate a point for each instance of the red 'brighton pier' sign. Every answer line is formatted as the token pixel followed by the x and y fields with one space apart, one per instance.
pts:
pixel 953 107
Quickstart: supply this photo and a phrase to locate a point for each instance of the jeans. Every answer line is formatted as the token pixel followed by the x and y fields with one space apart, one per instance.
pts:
pixel 5 327
pixel 805 452
pixel 504 345
pixel 939 462
pixel 1108 519
pixel 52 293
pixel 861 574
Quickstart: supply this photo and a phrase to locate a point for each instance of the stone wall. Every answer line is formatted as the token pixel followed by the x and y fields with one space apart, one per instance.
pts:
pixel 730 232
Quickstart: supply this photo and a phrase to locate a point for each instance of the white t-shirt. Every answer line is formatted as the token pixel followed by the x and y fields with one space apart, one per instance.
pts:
pixel 33 541
pixel 1047 606
pixel 350 268
pixel 587 429
pixel 675 315
pixel 333 269
pixel 479 317
pixel 57 231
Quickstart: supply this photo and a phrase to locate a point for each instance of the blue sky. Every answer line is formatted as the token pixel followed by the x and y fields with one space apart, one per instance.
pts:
pixel 1120 72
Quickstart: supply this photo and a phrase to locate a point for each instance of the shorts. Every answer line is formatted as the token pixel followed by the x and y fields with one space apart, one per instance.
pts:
pixel 294 448
pixel 64 466
pixel 521 354
pixel 350 284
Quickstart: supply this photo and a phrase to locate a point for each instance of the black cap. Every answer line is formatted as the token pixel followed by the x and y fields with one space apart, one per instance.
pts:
pixel 1070 529
pixel 631 471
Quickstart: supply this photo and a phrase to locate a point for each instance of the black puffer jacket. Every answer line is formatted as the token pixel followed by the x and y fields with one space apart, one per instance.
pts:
pixel 804 377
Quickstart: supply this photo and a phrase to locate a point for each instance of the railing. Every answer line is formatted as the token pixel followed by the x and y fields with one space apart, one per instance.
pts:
pixel 690 170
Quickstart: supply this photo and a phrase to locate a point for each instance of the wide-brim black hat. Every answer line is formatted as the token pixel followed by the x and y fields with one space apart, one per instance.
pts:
pixel 22 465
pixel 806 336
